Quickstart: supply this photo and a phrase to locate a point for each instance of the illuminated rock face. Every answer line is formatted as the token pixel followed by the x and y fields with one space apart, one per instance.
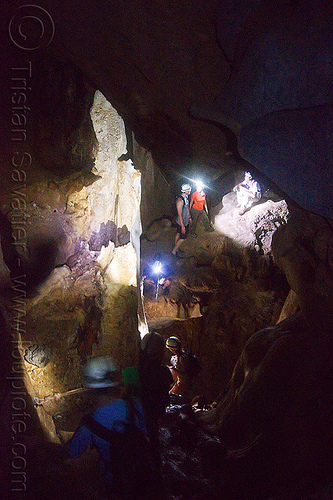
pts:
pixel 76 295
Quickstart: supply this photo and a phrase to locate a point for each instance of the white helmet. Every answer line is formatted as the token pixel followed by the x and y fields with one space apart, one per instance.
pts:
pixel 100 372
pixel 185 187
pixel 173 343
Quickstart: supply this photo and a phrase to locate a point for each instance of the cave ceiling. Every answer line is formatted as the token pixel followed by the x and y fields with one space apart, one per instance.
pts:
pixel 262 68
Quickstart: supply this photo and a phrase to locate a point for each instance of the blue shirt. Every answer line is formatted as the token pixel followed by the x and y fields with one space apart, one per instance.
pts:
pixel 110 416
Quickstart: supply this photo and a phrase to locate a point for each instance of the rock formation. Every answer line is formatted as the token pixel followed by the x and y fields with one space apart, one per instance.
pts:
pixel 104 112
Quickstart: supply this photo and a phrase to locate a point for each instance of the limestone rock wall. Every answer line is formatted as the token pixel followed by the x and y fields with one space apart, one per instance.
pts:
pixel 157 194
pixel 76 293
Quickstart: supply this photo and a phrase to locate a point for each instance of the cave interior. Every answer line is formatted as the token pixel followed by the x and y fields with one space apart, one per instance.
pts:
pixel 107 108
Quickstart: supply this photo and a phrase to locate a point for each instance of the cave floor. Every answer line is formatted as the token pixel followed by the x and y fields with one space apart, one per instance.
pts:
pixel 190 470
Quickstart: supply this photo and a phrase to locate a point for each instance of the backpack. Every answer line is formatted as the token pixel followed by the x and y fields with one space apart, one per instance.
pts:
pixel 132 462
pixel 192 363
pixel 175 217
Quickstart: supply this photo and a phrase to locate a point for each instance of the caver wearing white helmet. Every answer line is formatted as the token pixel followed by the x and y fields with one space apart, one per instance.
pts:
pixel 199 209
pixel 248 192
pixel 101 372
pixel 185 187
pixel 183 216
pixel 183 367
pixel 108 422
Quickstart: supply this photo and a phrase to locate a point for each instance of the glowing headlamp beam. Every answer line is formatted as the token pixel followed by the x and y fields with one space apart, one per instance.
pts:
pixel 157 267
pixel 198 183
